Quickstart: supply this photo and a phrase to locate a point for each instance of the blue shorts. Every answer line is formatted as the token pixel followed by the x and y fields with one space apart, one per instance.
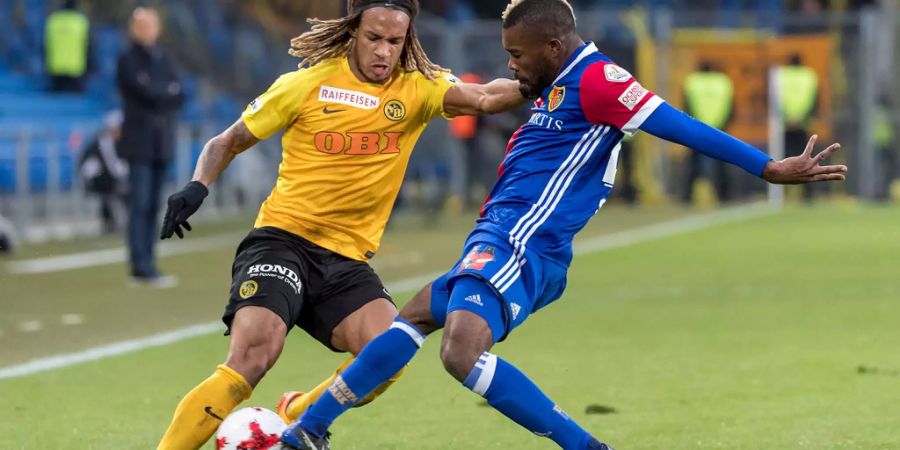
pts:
pixel 523 283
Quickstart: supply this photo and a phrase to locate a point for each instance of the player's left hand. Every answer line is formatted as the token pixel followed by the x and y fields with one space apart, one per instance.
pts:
pixel 182 205
pixel 805 168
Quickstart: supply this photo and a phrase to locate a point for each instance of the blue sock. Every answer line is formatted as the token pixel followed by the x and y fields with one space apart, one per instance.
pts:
pixel 379 360
pixel 511 392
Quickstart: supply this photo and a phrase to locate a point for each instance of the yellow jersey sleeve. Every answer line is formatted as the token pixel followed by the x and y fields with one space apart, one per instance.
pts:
pixel 278 107
pixel 434 91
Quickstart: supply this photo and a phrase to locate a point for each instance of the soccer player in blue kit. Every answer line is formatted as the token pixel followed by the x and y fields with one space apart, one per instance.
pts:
pixel 558 171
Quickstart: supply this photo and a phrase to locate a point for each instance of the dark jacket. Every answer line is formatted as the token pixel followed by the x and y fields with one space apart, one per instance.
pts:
pixel 151 98
pixel 100 168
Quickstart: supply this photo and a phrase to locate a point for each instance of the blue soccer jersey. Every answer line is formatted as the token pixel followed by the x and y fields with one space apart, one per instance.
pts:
pixel 558 171
pixel 561 166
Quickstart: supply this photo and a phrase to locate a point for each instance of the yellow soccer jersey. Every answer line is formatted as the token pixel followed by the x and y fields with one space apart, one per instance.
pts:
pixel 346 146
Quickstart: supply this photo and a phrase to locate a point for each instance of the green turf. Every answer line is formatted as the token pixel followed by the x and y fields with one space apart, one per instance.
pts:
pixel 778 333
pixel 114 311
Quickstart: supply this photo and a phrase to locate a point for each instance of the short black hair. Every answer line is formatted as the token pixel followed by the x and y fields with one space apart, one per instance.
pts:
pixel 552 17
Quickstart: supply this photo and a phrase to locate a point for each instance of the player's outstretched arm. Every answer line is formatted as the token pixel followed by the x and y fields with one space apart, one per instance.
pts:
pixel 805 168
pixel 675 126
pixel 475 99
pixel 221 150
pixel 215 158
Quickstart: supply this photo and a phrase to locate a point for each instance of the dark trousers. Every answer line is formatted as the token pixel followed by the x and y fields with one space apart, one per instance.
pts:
pixel 59 83
pixel 112 210
pixel 702 166
pixel 146 180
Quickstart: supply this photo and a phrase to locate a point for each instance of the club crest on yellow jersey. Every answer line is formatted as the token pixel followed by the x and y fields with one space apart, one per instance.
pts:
pixel 556 97
pixel 395 110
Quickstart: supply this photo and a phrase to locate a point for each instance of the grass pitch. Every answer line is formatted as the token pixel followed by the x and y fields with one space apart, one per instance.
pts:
pixel 778 332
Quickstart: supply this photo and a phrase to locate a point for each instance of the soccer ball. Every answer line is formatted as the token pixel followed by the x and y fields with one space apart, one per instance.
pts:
pixel 250 429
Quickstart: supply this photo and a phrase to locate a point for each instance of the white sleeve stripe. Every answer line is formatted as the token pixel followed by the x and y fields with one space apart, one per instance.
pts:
pixel 416 336
pixel 641 115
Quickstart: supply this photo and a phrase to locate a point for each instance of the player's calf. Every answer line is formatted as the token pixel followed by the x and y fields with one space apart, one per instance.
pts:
pixel 380 360
pixel 475 318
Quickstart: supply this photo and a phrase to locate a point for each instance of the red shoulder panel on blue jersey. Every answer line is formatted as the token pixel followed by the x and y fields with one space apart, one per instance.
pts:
pixel 610 95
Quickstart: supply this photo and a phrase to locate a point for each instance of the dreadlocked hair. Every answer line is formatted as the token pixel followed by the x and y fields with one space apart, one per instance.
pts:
pixel 333 39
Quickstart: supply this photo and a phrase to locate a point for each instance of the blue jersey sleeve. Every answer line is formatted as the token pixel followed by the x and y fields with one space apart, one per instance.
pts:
pixel 675 126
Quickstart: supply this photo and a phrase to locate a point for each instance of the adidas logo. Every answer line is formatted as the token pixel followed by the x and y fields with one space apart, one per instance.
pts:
pixel 476 299
pixel 515 308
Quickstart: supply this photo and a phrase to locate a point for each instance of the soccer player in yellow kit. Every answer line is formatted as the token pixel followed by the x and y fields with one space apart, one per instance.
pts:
pixel 351 115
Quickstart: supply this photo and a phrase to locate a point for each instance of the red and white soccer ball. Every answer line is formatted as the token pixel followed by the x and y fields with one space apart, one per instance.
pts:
pixel 250 429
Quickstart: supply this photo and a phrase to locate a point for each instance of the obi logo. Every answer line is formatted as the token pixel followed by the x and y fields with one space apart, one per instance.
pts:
pixel 248 289
pixel 358 143
pixel 477 258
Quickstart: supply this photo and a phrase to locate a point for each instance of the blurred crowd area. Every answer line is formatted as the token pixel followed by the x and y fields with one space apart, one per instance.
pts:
pixel 228 51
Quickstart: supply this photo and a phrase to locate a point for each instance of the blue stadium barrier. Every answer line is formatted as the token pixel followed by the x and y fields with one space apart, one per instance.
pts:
pixel 43 139
pixel 39 105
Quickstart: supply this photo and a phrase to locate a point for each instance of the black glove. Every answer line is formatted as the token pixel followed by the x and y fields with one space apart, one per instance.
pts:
pixel 182 205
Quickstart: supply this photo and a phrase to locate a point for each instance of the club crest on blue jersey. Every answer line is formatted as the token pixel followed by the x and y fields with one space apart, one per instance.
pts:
pixel 556 97
pixel 477 258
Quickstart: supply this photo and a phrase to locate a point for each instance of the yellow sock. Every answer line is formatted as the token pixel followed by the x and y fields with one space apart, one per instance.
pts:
pixel 296 408
pixel 300 404
pixel 200 412
pixel 380 389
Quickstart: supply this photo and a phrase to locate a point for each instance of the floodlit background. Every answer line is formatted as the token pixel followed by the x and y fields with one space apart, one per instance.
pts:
pixel 705 310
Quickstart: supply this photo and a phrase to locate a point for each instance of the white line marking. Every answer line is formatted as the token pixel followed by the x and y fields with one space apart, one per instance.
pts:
pixel 412 283
pixel 72 319
pixel 106 351
pixel 117 255
pixel 31 326
pixel 588 246
pixel 671 228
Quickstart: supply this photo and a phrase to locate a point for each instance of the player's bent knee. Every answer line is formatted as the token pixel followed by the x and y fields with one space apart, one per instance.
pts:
pixel 458 356
pixel 466 337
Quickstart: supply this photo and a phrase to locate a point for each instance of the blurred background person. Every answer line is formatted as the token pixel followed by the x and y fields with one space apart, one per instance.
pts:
pixel 105 174
pixel 709 97
pixel 6 236
pixel 151 98
pixel 66 41
pixel 886 147
pixel 465 130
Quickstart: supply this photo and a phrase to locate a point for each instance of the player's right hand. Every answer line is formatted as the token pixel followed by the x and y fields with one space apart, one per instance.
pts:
pixel 806 168
pixel 182 205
